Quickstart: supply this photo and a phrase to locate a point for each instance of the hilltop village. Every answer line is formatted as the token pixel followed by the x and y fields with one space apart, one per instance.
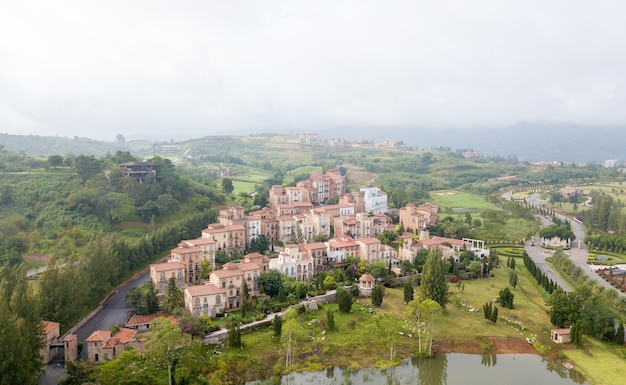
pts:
pixel 306 237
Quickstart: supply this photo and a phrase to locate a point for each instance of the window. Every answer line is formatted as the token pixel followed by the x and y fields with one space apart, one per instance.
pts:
pixel 197 301
pixel 106 356
pixel 223 284
pixel 162 276
pixel 218 300
pixel 95 358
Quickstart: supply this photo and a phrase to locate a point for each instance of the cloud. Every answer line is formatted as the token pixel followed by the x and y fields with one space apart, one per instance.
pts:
pixel 93 68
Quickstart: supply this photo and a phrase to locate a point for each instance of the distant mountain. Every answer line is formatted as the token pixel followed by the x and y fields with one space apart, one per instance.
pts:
pixel 44 146
pixel 532 142
pixel 540 142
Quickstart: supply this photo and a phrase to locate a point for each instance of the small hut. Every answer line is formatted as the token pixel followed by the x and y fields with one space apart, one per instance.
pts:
pixel 366 284
pixel 561 336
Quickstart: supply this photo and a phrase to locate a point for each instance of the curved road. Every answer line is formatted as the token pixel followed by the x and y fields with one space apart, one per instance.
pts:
pixel 577 253
pixel 114 312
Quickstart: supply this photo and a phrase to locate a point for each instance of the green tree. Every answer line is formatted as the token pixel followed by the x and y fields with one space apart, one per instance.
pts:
pixel 506 297
pixel 87 166
pixel 152 301
pixel 513 279
pixel 271 282
pixel 277 325
pixel 377 295
pixel 408 292
pixel 55 161
pixel 433 282
pixel 205 269
pixel 166 204
pixel 78 373
pixel 234 334
pixel 260 244
pixel 21 329
pixel 494 315
pixel 427 314
pixel 330 319
pixel 227 186
pixel 344 299
pixel 173 297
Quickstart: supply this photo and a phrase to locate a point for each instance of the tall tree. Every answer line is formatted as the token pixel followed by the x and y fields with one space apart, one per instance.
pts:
pixel 377 295
pixel 408 292
pixel 227 185
pixel 173 297
pixel 21 329
pixel 344 299
pixel 434 283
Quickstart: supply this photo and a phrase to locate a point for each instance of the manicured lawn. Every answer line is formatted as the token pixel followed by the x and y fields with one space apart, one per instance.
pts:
pixel 599 362
pixel 240 186
pixel 459 201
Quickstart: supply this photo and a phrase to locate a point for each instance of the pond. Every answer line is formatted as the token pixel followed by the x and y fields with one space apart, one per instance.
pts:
pixel 448 369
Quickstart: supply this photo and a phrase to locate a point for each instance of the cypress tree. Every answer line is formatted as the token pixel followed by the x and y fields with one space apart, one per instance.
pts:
pixel 494 314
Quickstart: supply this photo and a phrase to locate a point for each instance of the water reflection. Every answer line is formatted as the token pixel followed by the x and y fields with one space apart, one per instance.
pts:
pixel 450 369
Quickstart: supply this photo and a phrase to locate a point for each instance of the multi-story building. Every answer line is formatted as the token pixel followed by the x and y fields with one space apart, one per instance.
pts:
pixel 415 218
pixel 205 300
pixel 294 262
pixel 191 256
pixel 375 200
pixel 140 171
pixel 101 345
pixel 230 279
pixel 369 250
pixel 318 253
pixel 227 238
pixel 160 274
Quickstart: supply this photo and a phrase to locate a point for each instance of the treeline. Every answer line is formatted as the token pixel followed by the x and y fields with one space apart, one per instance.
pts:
pixel 547 284
pixel 605 213
pixel 69 292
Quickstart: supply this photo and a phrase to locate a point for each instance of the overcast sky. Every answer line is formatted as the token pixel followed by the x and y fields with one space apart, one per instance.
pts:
pixel 196 68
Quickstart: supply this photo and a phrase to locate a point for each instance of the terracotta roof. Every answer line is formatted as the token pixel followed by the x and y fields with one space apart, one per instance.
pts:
pixel 367 277
pixel 201 241
pixel 440 240
pixel 245 266
pixel 99 335
pixel 314 245
pixel 49 326
pixel 561 331
pixel 146 319
pixel 206 289
pixel 167 266
pixel 186 248
pixel 70 337
pixel 368 241
pixel 222 273
pixel 342 244
pixel 218 228
pixel 123 336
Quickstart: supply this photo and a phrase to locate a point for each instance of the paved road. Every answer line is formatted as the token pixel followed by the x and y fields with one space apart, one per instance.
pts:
pixel 578 252
pixel 114 312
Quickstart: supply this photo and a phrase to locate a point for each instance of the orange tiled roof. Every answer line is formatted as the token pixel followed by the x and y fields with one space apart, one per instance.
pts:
pixel 99 335
pixel 49 326
pixel 167 266
pixel 206 289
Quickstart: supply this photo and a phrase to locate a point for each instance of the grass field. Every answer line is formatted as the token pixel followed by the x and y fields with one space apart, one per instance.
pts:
pixel 460 202
pixel 599 362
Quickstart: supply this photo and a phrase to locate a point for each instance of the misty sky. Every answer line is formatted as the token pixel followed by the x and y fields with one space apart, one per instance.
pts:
pixel 195 68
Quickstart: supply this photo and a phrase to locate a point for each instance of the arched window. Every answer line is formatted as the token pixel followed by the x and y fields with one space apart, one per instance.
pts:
pixel 96 358
pixel 218 300
pixel 197 301
pixel 205 300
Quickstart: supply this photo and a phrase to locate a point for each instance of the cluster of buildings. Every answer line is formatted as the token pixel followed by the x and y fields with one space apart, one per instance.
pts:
pixel 312 237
